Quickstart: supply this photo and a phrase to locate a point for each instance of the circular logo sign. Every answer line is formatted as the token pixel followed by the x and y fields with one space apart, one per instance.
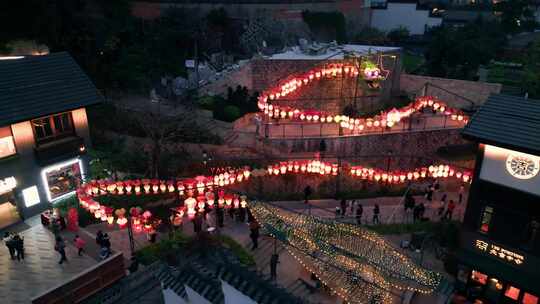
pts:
pixel 522 167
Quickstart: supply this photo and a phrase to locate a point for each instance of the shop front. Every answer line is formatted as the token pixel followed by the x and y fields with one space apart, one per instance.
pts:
pixel 491 273
pixel 9 213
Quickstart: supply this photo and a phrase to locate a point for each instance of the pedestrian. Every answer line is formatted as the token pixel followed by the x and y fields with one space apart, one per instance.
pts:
pixel 134 266
pixel 61 248
pixel 242 216
pixel 353 204
pixel 421 211
pixel 99 238
pixel 440 210
pixel 461 191
pixel 106 241
pixel 274 260
pixel 416 213
pixel 429 193
pixel 307 193
pixel 343 205
pixel 322 148
pixel 79 244
pixel 436 186
pixel 104 253
pixel 219 215
pixel 376 212
pixel 359 211
pixel 409 201
pixel 338 212
pixel 18 244
pixel 443 198
pixel 450 210
pixel 8 241
pixel 254 234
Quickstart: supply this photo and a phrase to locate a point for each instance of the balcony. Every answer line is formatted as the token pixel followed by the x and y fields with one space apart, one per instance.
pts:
pixel 59 149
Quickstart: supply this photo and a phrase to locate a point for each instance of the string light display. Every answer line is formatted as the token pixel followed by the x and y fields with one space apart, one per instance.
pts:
pixel 352 261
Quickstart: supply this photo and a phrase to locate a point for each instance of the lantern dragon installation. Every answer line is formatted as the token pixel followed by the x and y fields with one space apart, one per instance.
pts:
pixel 355 263
pixel 268 101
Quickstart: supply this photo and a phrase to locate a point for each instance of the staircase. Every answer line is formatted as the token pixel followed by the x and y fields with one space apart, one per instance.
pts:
pixel 262 257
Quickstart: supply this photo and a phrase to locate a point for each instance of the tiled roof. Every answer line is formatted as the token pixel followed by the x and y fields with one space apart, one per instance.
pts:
pixel 37 86
pixel 507 121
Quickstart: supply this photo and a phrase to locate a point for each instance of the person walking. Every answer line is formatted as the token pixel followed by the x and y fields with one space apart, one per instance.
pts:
pixel 274 260
pixel 219 215
pixel 307 193
pixel 359 211
pixel 8 241
pixel 61 248
pixel 18 244
pixel 99 238
pixel 106 241
pixel 376 212
pixel 416 213
pixel 353 204
pixel 343 205
pixel 254 234
pixel 449 210
pixel 461 192
pixel 79 244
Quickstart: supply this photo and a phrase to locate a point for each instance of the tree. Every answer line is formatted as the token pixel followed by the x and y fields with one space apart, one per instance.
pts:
pixel 516 15
pixel 458 52
pixel 398 35
pixel 370 36
pixel 531 77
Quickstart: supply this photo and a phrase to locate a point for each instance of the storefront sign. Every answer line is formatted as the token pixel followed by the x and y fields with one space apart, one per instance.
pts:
pixel 499 252
pixel 7 184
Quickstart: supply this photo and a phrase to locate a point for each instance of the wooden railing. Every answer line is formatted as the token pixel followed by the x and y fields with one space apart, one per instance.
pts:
pixel 85 284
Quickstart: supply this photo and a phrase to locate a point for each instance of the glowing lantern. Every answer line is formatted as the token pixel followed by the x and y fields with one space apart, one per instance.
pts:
pixel 466 177
pixel 163 187
pixel 111 187
pixel 122 221
pixel 110 219
pixel 243 202
pixel 155 188
pixel 146 188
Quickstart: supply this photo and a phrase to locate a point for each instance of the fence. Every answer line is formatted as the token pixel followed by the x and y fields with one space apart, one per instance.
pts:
pixel 291 130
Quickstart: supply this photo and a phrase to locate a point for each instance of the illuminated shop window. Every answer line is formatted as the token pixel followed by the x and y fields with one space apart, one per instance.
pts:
pixel 31 196
pixel 529 299
pixel 512 292
pixel 62 179
pixel 7 146
pixel 479 277
pixel 485 220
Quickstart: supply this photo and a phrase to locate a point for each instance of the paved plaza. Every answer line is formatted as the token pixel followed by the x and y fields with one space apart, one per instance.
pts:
pixel 40 271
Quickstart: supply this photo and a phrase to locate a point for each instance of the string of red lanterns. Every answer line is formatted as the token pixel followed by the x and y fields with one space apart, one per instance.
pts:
pixel 387 119
pixel 198 192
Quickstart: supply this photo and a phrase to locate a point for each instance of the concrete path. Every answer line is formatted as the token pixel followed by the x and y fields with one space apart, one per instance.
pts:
pixel 22 280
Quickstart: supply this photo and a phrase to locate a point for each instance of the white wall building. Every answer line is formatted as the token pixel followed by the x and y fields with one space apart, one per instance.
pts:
pixel 407 14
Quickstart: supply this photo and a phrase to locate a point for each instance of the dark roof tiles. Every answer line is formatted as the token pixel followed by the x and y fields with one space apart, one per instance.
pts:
pixel 37 86
pixel 508 121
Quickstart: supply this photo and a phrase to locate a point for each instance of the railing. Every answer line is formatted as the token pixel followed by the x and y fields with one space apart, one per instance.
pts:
pixel 292 130
pixel 85 284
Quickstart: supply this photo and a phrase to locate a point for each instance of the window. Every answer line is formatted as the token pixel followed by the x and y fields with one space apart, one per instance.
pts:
pixel 7 146
pixel 53 127
pixel 479 277
pixel 512 292
pixel 62 179
pixel 529 299
pixel 485 219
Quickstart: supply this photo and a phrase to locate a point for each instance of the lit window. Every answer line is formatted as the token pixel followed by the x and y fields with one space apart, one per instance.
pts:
pixel 512 292
pixel 529 299
pixel 62 179
pixel 31 196
pixel 51 128
pixel 7 146
pixel 479 277
pixel 485 220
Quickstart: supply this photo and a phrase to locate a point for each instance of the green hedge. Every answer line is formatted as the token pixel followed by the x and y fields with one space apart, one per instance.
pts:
pixel 85 217
pixel 238 250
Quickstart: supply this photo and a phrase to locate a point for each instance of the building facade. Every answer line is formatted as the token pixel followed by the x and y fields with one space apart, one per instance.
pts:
pixel 499 258
pixel 43 132
pixel 393 14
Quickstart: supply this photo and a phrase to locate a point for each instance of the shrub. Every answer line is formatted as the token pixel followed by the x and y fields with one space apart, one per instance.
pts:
pixel 238 250
pixel 231 113
pixel 85 217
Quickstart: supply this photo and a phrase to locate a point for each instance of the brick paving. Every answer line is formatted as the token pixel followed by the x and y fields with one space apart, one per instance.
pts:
pixel 20 281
